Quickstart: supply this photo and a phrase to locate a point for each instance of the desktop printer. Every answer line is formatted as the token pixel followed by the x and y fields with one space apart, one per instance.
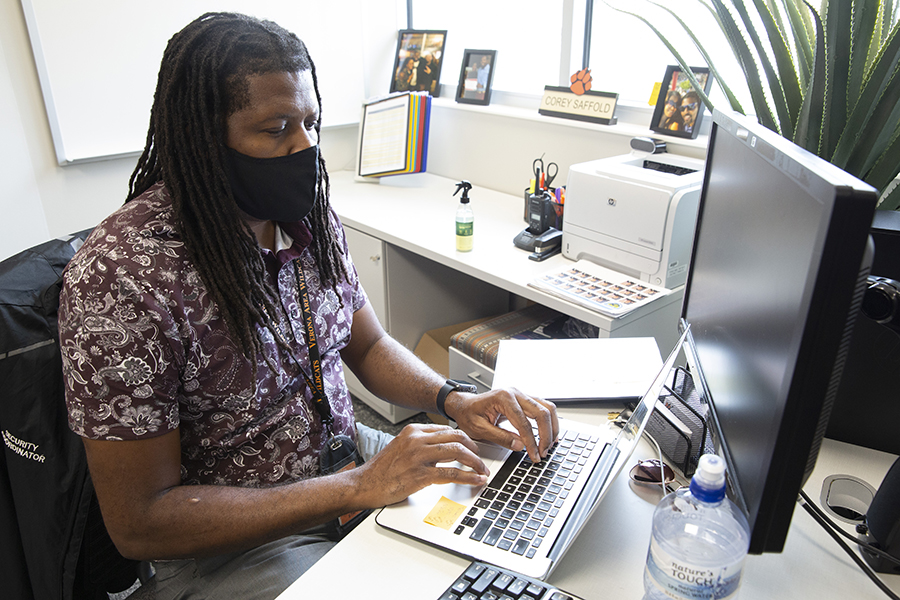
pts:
pixel 634 214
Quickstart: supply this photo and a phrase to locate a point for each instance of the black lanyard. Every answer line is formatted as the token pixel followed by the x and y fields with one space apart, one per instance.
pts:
pixel 315 358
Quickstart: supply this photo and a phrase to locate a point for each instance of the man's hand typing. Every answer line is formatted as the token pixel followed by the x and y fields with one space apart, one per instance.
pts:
pixel 418 457
pixel 479 415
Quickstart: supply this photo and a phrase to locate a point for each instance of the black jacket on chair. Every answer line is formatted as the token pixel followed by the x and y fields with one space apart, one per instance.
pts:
pixel 52 538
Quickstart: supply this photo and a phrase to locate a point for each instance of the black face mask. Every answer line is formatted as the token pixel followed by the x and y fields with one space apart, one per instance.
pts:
pixel 274 189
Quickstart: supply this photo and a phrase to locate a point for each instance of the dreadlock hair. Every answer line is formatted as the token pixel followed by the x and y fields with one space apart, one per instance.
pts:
pixel 202 80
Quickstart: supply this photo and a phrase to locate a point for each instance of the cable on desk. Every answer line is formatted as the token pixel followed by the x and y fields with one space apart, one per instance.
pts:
pixel 665 486
pixel 830 528
pixel 868 546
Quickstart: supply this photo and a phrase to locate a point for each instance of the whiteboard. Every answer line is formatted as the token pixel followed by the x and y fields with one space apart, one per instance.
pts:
pixel 97 62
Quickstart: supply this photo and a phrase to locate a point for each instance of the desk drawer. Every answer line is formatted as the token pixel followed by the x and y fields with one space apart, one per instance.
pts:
pixel 465 368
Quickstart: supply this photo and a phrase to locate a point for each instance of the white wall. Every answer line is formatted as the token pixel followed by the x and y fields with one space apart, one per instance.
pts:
pixel 41 199
pixel 495 146
pixel 490 146
pixel 22 217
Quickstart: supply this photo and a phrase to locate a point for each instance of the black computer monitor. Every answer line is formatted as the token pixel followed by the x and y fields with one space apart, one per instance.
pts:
pixel 777 274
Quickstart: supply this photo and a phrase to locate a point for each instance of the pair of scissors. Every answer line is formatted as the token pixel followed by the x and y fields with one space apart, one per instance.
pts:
pixel 543 178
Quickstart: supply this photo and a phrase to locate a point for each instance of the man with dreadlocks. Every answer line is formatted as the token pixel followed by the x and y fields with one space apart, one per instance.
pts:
pixel 203 325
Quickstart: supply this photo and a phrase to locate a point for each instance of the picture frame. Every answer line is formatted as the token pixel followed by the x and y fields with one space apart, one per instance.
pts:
pixel 679 110
pixel 476 76
pixel 418 61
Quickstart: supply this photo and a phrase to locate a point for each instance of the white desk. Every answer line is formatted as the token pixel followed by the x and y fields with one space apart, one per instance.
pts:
pixel 416 213
pixel 401 232
pixel 607 559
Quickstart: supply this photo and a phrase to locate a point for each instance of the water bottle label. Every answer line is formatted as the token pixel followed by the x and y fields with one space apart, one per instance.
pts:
pixel 680 580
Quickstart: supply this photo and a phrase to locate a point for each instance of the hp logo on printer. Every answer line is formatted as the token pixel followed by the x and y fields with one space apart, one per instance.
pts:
pixel 611 201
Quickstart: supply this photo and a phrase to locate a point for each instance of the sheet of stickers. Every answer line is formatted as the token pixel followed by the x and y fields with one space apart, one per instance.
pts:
pixel 598 288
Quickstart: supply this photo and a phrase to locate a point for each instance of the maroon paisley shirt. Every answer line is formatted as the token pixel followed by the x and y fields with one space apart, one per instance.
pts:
pixel 145 352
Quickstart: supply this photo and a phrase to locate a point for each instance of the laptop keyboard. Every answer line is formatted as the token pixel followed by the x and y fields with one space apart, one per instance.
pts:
pixel 482 581
pixel 517 508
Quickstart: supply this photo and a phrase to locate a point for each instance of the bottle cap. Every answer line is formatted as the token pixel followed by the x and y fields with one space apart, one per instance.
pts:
pixel 708 482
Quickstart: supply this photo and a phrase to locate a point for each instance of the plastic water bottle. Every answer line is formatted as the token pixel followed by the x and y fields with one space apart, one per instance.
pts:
pixel 699 540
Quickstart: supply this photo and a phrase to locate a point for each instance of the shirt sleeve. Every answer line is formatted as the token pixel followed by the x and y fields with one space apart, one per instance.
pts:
pixel 120 352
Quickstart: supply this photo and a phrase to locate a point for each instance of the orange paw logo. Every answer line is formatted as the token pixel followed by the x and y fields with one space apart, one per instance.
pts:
pixel 581 82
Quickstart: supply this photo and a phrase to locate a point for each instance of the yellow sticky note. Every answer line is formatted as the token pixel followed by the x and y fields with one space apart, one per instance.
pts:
pixel 655 93
pixel 444 513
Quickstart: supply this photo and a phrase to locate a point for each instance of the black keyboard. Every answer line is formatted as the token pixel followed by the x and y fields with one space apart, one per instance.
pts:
pixel 520 504
pixel 482 581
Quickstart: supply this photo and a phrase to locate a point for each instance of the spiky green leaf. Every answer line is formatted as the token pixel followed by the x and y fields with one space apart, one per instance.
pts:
pixel 732 99
pixel 838 46
pixel 748 63
pixel 854 145
pixel 886 168
pixel 802 38
pixel 786 75
pixel 866 36
pixel 887 18
pixel 809 124
pixel 772 81
pixel 772 7
pixel 876 136
pixel 890 200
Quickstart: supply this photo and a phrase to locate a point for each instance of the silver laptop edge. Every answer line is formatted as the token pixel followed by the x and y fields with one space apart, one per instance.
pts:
pixel 609 466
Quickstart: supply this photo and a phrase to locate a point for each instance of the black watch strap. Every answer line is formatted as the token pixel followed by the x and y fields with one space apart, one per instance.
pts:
pixel 452 386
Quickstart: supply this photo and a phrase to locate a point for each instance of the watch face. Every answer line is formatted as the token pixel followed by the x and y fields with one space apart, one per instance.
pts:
pixel 462 387
pixel 467 387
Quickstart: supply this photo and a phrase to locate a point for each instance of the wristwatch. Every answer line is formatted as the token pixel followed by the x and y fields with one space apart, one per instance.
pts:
pixel 452 386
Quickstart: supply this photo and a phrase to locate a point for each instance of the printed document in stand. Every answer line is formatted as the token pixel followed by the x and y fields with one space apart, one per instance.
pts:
pixel 393 135
pixel 578 368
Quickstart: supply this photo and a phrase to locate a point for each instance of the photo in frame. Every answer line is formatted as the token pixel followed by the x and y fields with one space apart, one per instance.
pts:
pixel 417 64
pixel 476 76
pixel 679 110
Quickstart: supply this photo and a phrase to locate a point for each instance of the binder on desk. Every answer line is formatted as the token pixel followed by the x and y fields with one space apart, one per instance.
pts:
pixel 394 135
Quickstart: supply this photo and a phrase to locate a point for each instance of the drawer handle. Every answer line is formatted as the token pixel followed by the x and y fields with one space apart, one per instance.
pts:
pixel 475 377
pixel 375 258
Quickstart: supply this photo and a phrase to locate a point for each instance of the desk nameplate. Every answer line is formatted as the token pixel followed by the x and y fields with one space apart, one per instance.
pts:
pixel 591 106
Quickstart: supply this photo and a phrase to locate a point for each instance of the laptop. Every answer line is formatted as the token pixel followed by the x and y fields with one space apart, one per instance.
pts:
pixel 527 515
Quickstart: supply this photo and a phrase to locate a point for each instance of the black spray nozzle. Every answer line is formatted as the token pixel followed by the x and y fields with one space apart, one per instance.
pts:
pixel 465 186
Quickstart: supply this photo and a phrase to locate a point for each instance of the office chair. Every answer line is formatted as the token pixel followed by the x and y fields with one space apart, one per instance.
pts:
pixel 52 537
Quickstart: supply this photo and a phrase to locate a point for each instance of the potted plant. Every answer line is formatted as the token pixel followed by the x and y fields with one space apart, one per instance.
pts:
pixel 825 78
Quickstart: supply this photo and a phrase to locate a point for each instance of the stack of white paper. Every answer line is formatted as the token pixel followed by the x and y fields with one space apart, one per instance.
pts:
pixel 578 369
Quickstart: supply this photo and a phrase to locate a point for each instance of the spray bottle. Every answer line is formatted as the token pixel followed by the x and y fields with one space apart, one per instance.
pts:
pixel 465 218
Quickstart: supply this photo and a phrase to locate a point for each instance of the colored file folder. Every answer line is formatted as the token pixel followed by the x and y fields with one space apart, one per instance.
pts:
pixel 394 135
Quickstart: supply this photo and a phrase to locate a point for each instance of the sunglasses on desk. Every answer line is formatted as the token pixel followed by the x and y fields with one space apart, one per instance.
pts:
pixel 651 471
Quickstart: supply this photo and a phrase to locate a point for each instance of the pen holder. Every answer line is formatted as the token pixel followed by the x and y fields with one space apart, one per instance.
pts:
pixel 552 213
